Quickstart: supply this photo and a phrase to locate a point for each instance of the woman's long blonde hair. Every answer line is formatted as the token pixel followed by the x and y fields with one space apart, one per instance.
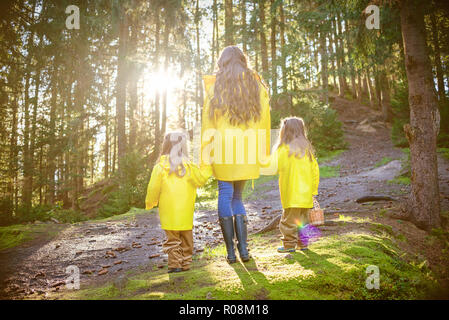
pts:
pixel 293 134
pixel 175 147
pixel 236 89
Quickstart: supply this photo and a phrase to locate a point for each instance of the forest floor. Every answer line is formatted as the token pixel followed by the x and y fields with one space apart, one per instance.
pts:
pixel 121 257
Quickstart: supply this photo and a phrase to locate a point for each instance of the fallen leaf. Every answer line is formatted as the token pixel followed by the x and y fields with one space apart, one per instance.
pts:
pixel 58 283
pixel 102 272
pixel 111 254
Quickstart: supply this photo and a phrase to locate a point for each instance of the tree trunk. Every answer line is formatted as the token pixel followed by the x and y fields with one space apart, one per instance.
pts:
pixel 359 88
pixel 324 73
pixel 27 164
pixel 217 41
pixel 167 58
pixel 199 82
pixel 378 89
pixel 436 45
pixel 13 155
pixel 273 49
pixel 229 24
pixel 372 95
pixel 341 76
pixel 333 53
pixel 364 85
pixel 121 84
pixel 350 61
pixel 282 41
pixel 263 41
pixel 78 132
pixel 157 128
pixel 106 140
pixel 133 79
pixel 244 27
pixel 214 23
pixel 423 204
pixel 37 81
pixel 51 165
pixel 385 97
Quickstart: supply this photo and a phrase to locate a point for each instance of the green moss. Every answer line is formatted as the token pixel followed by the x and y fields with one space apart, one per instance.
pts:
pixel 260 186
pixel 383 162
pixel 400 180
pixel 12 236
pixel 333 268
pixel 401 237
pixel 382 212
pixel 326 156
pixel 382 228
pixel 108 189
pixel 329 171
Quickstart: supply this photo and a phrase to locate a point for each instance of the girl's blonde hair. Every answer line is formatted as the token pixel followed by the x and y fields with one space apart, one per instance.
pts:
pixel 236 90
pixel 293 134
pixel 175 147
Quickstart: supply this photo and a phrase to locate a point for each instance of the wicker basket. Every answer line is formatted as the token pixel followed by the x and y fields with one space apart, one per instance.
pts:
pixel 316 215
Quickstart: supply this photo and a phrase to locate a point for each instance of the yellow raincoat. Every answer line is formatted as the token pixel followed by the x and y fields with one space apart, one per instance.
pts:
pixel 237 151
pixel 298 178
pixel 175 195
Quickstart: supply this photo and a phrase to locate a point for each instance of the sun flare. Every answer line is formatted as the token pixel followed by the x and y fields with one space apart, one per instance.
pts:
pixel 160 81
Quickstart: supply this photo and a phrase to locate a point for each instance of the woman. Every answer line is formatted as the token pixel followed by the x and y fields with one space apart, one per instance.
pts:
pixel 235 140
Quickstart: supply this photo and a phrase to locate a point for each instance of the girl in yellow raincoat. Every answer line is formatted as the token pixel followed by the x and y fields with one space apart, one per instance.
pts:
pixel 298 180
pixel 172 186
pixel 235 140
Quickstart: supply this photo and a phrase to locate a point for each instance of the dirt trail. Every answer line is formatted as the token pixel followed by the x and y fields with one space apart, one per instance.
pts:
pixel 122 246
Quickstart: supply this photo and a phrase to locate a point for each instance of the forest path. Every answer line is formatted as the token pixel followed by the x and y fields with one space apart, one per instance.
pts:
pixel 132 244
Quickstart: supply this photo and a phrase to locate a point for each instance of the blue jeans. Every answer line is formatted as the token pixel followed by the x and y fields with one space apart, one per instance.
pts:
pixel 230 198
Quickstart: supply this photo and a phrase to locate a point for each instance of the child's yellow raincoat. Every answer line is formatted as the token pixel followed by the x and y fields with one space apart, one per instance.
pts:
pixel 175 195
pixel 254 138
pixel 298 178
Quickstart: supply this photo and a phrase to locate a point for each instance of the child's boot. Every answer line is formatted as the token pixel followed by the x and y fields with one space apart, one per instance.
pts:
pixel 242 234
pixel 286 250
pixel 227 228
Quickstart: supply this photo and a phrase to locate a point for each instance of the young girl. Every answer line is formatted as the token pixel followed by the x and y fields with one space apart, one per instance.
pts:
pixel 236 108
pixel 298 180
pixel 173 186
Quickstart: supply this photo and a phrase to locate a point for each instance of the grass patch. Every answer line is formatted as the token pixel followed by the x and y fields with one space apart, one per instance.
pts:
pixel 326 156
pixel 130 215
pixel 333 268
pixel 400 180
pixel 329 171
pixel 383 162
pixel 259 186
pixel 14 235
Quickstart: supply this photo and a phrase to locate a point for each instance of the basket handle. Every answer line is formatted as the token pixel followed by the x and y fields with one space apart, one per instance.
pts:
pixel 316 204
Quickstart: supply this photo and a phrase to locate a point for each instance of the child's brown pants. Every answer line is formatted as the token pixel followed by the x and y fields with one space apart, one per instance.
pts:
pixel 179 247
pixel 291 219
